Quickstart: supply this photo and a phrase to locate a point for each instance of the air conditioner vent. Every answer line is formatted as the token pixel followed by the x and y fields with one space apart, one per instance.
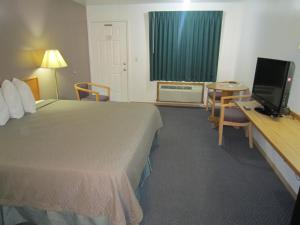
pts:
pixel 181 92
pixel 177 87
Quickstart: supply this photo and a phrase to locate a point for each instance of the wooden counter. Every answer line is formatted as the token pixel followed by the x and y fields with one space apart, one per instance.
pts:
pixel 283 133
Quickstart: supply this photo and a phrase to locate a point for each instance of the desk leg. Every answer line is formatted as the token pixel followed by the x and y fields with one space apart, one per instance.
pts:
pixel 296 213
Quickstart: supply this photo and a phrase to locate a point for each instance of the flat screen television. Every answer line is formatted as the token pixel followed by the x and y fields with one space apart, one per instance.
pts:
pixel 272 84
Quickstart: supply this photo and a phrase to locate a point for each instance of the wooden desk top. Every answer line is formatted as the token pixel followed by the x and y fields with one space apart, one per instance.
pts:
pixel 227 86
pixel 283 133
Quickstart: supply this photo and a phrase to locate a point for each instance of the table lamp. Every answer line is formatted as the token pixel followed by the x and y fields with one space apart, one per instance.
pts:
pixel 53 59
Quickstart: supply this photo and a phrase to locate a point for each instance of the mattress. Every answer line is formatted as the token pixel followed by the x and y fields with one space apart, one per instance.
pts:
pixel 79 157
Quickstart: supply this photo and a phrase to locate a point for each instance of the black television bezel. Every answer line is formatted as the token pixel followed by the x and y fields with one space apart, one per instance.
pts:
pixel 274 110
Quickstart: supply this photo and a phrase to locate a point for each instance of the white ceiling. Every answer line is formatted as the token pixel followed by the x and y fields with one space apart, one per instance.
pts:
pixel 95 2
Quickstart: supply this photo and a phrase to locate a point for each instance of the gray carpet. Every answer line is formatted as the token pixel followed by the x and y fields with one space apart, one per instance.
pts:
pixel 196 182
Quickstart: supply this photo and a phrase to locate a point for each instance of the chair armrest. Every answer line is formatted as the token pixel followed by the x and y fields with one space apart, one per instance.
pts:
pixel 78 88
pixel 233 97
pixel 228 105
pixel 106 88
pixel 98 85
pixel 86 90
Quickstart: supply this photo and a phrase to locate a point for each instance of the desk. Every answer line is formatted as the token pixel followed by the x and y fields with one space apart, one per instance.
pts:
pixel 227 90
pixel 283 133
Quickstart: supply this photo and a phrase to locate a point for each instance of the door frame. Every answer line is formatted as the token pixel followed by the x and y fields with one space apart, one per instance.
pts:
pixel 90 31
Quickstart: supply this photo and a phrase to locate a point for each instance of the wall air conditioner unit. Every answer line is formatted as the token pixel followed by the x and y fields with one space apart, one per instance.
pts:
pixel 180 93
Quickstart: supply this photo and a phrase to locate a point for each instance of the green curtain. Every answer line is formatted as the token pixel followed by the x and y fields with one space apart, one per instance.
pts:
pixel 184 45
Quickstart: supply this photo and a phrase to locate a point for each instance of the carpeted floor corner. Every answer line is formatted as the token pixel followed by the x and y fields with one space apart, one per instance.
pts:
pixel 196 182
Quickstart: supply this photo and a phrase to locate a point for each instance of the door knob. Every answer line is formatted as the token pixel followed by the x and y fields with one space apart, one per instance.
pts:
pixel 124 69
pixel 124 63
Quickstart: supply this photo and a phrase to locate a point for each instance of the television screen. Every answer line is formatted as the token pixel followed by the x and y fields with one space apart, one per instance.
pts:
pixel 269 82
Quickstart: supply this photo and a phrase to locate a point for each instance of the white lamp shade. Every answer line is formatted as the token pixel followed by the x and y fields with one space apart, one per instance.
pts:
pixel 53 59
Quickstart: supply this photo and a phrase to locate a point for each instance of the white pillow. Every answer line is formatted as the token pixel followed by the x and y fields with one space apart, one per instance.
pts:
pixel 4 114
pixel 26 95
pixel 12 99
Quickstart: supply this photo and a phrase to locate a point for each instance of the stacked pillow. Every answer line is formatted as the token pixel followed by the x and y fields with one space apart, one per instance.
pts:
pixel 12 99
pixel 26 95
pixel 4 114
pixel 15 99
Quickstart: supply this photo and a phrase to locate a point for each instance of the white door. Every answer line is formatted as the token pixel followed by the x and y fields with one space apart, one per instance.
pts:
pixel 109 57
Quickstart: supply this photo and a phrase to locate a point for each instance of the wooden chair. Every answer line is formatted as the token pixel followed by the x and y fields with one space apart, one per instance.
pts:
pixel 84 92
pixel 215 96
pixel 231 115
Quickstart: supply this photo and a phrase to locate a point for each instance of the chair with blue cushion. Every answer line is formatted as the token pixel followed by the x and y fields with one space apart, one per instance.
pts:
pixel 231 115
pixel 211 99
pixel 84 92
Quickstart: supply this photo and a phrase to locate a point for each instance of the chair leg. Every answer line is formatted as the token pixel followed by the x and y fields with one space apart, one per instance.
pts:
pixel 207 101
pixel 213 109
pixel 250 134
pixel 220 134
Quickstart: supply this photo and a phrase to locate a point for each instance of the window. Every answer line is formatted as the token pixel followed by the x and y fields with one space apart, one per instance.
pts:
pixel 184 46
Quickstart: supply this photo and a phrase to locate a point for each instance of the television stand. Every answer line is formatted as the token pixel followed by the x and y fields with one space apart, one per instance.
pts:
pixel 265 111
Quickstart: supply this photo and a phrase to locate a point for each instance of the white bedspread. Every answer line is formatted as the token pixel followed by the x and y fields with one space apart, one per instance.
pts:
pixel 82 157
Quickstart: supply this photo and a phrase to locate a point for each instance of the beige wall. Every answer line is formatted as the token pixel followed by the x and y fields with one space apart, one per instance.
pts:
pixel 28 27
pixel 271 30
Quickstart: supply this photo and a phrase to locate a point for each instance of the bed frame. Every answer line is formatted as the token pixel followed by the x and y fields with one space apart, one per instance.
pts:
pixel 33 83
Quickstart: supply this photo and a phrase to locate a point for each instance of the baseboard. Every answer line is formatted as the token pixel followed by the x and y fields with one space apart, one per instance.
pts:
pixel 180 104
pixel 278 173
pixel 142 102
pixel 175 104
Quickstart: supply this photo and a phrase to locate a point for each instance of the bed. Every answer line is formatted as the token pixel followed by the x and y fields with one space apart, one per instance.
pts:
pixel 84 159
